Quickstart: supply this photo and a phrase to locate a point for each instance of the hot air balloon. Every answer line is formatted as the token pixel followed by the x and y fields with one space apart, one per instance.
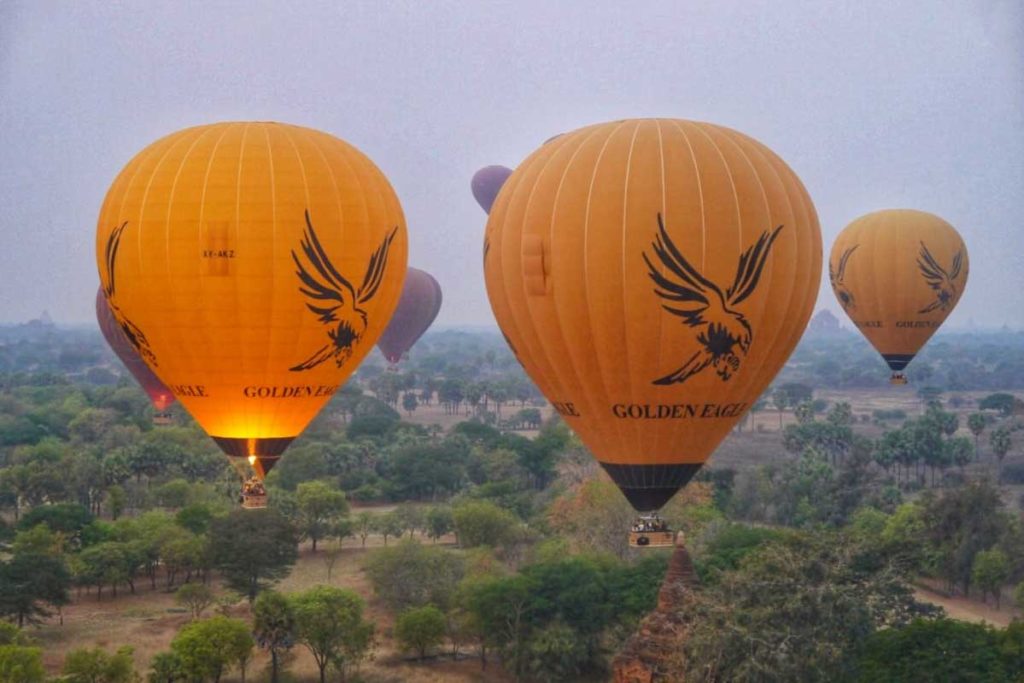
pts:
pixel 417 308
pixel 898 273
pixel 652 276
pixel 486 183
pixel 252 266
pixel 159 395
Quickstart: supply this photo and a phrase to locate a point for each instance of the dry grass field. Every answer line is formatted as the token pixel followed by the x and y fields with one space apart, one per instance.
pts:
pixel 148 621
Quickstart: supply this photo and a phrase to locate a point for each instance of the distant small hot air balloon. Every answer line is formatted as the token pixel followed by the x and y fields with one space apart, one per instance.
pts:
pixel 652 276
pixel 487 183
pixel 253 265
pixel 417 308
pixel 898 274
pixel 159 395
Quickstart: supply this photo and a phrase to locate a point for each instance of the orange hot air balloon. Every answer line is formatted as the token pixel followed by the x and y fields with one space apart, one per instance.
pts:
pixel 652 276
pixel 898 273
pixel 253 266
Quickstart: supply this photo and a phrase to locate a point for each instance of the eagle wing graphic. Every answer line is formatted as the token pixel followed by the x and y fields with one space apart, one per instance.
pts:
pixel 113 244
pixel 839 274
pixel 326 288
pixel 936 275
pixel 330 295
pixel 748 272
pixel 938 279
pixel 701 303
pixel 687 294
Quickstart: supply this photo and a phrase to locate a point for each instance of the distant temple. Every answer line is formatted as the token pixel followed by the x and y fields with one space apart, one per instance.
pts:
pixel 44 320
pixel 824 324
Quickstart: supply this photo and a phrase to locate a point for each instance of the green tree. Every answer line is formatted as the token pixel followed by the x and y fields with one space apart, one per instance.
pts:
pixel 958 525
pixel 196 597
pixel 409 402
pixel 781 401
pixel 166 667
pixel 116 500
pixel 976 422
pixel 928 650
pixel 253 549
pixel 95 665
pixel 482 523
pixel 555 653
pixel 1002 402
pixel 274 628
pixel 410 574
pixel 364 526
pixel 1001 443
pixel 991 570
pixel 420 629
pixel 439 522
pixel 209 648
pixel 795 610
pixel 195 517
pixel 412 517
pixel 329 622
pixel 319 506
pixel 31 583
pixel 389 524
pixel 20 664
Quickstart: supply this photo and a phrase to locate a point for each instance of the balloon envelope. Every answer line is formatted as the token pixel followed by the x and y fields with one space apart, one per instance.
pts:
pixel 487 183
pixel 417 308
pixel 159 395
pixel 652 277
pixel 898 274
pixel 253 265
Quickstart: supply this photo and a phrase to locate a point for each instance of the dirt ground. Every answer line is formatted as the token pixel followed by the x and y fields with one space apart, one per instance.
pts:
pixel 149 620
pixel 969 609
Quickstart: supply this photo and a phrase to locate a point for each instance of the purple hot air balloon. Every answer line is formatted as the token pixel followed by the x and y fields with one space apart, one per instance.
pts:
pixel 159 395
pixel 417 308
pixel 486 183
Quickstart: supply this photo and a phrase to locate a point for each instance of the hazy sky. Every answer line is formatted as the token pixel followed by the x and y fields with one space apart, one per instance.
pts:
pixel 874 106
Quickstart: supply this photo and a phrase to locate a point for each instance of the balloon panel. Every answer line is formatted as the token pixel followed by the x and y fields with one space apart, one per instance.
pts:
pixel 417 308
pixel 652 276
pixel 159 395
pixel 255 265
pixel 898 274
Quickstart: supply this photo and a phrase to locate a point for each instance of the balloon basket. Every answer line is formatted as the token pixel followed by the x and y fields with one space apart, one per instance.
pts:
pixel 651 531
pixel 898 378
pixel 161 419
pixel 254 495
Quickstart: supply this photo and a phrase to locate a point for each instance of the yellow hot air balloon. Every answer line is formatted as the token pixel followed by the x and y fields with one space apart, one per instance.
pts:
pixel 898 273
pixel 253 266
pixel 652 276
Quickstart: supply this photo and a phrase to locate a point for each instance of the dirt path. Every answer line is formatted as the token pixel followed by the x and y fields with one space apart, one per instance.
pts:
pixel 968 609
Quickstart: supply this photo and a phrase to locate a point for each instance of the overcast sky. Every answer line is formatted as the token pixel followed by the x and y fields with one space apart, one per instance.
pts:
pixel 874 106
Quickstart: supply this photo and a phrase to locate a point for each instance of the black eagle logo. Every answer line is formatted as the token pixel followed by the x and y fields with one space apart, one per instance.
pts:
pixel 131 331
pixel 836 277
pixel 938 279
pixel 333 298
pixel 724 333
